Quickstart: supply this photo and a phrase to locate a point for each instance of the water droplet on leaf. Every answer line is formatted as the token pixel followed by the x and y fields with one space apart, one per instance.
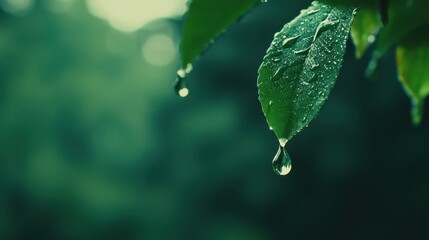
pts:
pixel 313 11
pixel 289 41
pixel 277 75
pixel 323 26
pixel 303 51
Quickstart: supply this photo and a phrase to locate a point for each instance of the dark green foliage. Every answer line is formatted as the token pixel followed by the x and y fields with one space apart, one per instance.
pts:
pixel 304 60
pixel 365 28
pixel 412 60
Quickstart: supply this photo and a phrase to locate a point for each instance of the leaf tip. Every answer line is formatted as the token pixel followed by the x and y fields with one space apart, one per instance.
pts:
pixel 417 112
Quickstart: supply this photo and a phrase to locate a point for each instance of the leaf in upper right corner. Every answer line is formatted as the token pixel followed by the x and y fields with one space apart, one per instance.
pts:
pixel 413 62
pixel 405 16
pixel 364 29
pixel 302 65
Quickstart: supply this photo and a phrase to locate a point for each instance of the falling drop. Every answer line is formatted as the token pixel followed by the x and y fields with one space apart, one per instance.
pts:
pixel 181 86
pixel 282 164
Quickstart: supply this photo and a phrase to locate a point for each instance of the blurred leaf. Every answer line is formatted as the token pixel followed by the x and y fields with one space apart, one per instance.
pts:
pixel 384 11
pixel 404 18
pixel 301 67
pixel 412 60
pixel 206 20
pixel 364 28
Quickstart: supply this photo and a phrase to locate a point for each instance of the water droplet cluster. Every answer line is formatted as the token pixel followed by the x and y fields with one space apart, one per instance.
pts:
pixel 181 85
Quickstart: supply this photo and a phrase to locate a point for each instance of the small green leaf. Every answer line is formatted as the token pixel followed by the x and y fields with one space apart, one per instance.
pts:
pixel 205 21
pixel 404 18
pixel 364 29
pixel 413 60
pixel 301 67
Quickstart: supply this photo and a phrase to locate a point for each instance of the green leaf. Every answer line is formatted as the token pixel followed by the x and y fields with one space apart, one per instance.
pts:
pixel 404 18
pixel 364 28
pixel 412 61
pixel 205 20
pixel 301 67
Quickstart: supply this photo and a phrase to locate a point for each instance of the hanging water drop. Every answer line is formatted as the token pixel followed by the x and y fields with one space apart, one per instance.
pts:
pixel 181 73
pixel 282 163
pixel 181 86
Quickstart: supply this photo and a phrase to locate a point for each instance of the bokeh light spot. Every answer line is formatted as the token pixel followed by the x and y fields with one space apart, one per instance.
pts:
pixel 17 7
pixel 130 15
pixel 159 50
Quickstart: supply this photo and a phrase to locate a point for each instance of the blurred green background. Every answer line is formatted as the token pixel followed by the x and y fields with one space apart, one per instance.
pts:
pixel 95 144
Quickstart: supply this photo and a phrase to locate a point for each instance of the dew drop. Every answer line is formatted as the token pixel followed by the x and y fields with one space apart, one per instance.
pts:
pixel 279 73
pixel 313 11
pixel 303 51
pixel 289 41
pixel 181 86
pixel 282 163
pixel 314 66
pixel 323 26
